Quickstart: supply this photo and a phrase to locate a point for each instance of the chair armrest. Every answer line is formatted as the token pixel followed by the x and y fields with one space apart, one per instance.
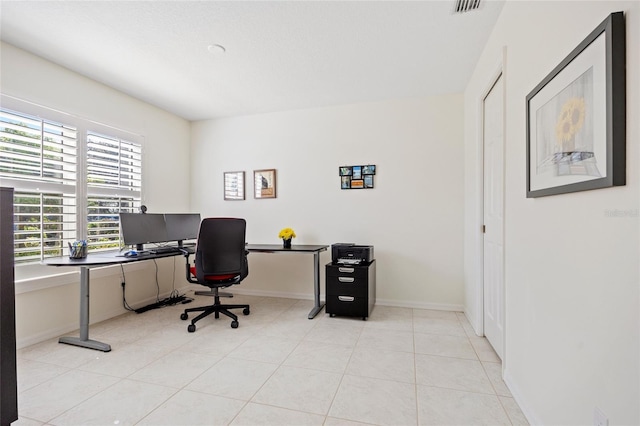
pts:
pixel 188 267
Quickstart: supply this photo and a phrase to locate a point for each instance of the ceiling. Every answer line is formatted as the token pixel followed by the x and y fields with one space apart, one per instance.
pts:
pixel 280 55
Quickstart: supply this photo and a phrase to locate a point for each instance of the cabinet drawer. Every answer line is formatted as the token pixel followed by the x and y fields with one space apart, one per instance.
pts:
pixel 347 305
pixel 347 285
pixel 346 271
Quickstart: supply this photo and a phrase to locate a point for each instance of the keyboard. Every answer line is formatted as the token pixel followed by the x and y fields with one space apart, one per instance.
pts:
pixel 162 250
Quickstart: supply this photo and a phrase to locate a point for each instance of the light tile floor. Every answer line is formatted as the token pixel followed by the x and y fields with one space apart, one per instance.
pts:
pixel 400 367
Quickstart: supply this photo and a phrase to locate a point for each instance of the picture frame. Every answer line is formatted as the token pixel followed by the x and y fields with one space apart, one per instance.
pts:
pixel 234 186
pixel 575 122
pixel 264 183
pixel 357 177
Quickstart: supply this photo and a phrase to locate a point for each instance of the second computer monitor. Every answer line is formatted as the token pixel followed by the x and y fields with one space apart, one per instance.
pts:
pixel 182 226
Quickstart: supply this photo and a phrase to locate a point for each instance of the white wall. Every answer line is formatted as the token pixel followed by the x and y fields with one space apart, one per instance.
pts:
pixel 413 217
pixel 54 310
pixel 571 273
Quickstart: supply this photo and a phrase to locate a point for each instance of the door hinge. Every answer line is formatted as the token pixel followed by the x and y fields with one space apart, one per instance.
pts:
pixel 484 229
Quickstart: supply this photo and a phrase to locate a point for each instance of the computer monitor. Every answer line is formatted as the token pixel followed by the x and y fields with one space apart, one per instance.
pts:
pixel 142 228
pixel 182 226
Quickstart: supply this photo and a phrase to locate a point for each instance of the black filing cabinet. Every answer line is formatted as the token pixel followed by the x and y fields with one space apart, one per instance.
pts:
pixel 351 289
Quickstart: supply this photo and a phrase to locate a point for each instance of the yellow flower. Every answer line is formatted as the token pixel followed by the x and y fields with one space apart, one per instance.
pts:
pixel 570 120
pixel 287 234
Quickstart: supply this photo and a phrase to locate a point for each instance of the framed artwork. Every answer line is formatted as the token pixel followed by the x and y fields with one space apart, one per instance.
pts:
pixel 264 183
pixel 234 186
pixel 576 117
pixel 357 177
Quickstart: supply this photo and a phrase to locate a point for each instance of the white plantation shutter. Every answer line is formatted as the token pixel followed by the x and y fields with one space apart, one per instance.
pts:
pixel 114 185
pixel 38 158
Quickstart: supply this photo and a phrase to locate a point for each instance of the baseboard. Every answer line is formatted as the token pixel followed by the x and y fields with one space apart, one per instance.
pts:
pixel 517 395
pixel 416 305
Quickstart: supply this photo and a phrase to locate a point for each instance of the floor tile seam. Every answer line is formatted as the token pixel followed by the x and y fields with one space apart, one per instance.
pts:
pixel 239 411
pixel 184 389
pixel 449 356
pixel 87 398
pixel 286 408
pixel 491 381
pixel 335 393
pixel 390 328
pixel 160 404
pixel 458 390
pixel 62 365
pixel 441 334
pixel 436 320
pixel 506 412
pixel 278 365
pixel 312 368
pixel 415 382
pixel 190 381
pixel 47 364
pixel 364 346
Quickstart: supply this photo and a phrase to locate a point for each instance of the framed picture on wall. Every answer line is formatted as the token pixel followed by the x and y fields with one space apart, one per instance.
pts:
pixel 357 177
pixel 576 117
pixel 264 183
pixel 234 186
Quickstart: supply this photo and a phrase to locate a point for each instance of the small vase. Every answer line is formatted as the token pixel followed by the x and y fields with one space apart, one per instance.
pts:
pixel 286 243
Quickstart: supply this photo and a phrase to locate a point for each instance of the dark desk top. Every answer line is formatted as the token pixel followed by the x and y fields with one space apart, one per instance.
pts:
pixel 116 257
pixel 267 248
pixel 105 258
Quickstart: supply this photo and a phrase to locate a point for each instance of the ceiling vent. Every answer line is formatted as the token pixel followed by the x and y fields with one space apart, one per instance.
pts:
pixel 463 6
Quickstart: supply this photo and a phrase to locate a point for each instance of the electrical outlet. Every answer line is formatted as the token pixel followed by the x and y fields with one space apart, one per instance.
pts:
pixel 599 418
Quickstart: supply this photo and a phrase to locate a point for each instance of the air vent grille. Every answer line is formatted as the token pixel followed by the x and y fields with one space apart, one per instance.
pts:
pixel 463 6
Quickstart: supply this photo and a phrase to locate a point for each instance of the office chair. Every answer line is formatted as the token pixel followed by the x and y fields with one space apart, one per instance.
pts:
pixel 221 261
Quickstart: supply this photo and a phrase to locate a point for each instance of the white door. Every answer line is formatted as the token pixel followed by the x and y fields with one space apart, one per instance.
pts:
pixel 493 139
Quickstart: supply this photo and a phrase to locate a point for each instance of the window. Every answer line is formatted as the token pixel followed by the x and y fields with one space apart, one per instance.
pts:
pixel 71 181
pixel 114 182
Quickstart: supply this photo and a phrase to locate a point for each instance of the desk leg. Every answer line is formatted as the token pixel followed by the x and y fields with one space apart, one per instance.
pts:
pixel 316 286
pixel 84 340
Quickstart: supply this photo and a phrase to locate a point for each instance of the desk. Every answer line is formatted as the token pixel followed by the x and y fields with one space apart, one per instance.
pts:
pixel 315 249
pixel 95 260
pixel 115 258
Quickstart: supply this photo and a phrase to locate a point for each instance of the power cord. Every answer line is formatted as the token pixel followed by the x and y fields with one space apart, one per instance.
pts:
pixel 124 298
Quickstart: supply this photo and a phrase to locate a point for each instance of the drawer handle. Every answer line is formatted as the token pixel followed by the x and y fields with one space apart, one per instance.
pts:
pixel 346 279
pixel 346 270
pixel 346 298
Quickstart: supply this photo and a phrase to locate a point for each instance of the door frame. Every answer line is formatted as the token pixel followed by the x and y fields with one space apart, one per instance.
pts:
pixel 498 70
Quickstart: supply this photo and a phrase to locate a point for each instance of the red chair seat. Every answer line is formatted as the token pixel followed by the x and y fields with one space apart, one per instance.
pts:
pixel 213 277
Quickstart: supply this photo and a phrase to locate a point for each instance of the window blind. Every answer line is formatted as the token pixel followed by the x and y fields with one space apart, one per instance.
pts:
pixel 38 158
pixel 114 185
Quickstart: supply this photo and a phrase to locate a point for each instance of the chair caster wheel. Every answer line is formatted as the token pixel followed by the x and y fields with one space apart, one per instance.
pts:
pixel 234 324
pixel 332 315
pixel 246 311
pixel 184 316
pixel 191 328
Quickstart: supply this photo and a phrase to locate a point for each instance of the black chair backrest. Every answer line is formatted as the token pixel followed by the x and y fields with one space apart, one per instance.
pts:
pixel 220 248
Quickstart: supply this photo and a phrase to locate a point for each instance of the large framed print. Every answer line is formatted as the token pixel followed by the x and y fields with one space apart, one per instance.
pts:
pixel 576 117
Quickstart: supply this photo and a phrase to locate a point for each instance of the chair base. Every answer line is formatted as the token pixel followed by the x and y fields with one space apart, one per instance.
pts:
pixel 212 293
pixel 217 308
